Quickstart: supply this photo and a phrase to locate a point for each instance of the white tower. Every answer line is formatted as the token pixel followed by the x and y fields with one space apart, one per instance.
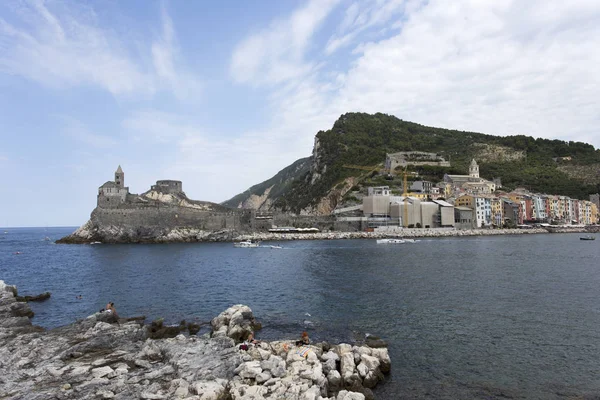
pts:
pixel 474 169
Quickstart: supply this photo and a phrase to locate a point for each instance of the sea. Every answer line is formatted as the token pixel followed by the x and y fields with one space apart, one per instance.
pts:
pixel 490 317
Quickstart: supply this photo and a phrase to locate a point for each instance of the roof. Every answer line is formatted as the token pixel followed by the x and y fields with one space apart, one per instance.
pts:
pixel 443 203
pixel 109 184
pixel 119 170
pixel 461 208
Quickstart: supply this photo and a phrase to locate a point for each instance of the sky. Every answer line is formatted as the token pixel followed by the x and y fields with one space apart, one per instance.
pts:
pixel 222 95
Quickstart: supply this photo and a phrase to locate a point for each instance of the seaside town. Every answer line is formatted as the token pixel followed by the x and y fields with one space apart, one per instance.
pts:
pixel 462 202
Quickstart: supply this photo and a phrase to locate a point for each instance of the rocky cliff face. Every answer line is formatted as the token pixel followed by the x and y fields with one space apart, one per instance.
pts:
pixel 263 195
pixel 106 357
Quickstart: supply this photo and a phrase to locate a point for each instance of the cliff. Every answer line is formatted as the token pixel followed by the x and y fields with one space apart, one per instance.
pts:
pixel 317 184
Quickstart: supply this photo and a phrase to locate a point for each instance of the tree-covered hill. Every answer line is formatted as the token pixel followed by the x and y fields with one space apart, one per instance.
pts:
pixel 359 139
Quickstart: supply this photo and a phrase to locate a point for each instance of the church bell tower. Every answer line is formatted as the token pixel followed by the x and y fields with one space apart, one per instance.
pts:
pixel 473 169
pixel 120 177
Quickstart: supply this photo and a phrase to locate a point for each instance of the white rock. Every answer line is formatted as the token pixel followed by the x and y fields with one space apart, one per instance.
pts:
pixel 347 366
pixel 345 395
pixel 152 396
pixel 372 363
pixel 313 393
pixel 263 377
pixel 79 371
pixel 105 394
pixel 102 371
pixel 362 370
pixel 207 390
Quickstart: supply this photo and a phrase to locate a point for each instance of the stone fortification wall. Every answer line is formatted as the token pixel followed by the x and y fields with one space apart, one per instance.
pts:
pixel 114 201
pixel 168 186
pixel 172 217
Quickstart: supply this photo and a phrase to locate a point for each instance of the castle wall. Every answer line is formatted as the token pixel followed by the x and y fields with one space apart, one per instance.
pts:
pixel 110 201
pixel 168 186
pixel 171 217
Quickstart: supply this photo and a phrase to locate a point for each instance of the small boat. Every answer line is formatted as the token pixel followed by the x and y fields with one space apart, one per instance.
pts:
pixel 246 244
pixel 390 241
pixel 411 240
pixel 96 243
pixel 46 239
pixel 275 247
pixel 587 238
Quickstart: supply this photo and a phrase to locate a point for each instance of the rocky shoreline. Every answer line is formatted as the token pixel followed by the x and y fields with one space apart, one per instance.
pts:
pixel 89 234
pixel 106 357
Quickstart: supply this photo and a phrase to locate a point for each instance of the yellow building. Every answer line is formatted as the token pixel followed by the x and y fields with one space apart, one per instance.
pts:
pixel 466 200
pixel 497 210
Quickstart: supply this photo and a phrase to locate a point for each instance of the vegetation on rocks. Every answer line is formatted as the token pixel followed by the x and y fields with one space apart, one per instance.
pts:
pixel 359 139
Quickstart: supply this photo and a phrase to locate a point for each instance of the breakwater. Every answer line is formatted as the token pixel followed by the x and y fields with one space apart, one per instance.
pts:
pixel 408 233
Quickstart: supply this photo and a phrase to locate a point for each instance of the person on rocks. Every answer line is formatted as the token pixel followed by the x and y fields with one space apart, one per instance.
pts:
pixel 110 307
pixel 304 340
pixel 251 339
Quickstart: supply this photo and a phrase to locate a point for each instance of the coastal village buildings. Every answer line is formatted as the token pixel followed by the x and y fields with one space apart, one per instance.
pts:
pixel 471 183
pixel 475 202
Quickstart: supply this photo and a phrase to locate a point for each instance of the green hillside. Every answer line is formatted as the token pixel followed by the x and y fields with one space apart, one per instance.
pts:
pixel 519 161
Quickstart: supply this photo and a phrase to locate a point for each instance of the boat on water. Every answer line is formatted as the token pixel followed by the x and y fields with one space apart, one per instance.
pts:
pixel 396 241
pixel 96 243
pixel 246 244
pixel 587 238
pixel 390 241
pixel 275 247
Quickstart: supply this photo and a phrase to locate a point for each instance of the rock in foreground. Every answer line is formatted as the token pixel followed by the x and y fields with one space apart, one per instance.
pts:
pixel 96 359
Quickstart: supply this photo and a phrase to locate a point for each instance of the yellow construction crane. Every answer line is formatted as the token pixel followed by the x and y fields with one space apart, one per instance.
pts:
pixel 405 194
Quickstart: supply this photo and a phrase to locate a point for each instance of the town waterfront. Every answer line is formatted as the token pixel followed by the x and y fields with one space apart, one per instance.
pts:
pixel 465 317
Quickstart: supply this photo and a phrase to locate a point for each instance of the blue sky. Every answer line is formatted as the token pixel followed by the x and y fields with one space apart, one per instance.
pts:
pixel 222 95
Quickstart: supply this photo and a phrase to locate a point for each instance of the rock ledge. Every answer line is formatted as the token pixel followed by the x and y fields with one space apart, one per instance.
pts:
pixel 94 358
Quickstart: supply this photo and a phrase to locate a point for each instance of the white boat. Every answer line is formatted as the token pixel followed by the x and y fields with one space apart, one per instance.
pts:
pixel 390 241
pixel 411 240
pixel 246 244
pixel 275 247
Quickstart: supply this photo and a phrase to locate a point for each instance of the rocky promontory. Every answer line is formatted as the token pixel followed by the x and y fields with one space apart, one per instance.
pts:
pixel 107 357
pixel 115 234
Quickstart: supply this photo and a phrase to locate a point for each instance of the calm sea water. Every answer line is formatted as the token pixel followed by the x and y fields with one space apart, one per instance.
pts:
pixel 483 317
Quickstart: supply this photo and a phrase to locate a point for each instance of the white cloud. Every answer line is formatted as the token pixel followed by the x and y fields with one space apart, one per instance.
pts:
pixel 277 54
pixel 165 55
pixel 66 51
pixel 500 68
pixel 78 131
pixel 363 16
pixel 515 70
pixel 62 45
